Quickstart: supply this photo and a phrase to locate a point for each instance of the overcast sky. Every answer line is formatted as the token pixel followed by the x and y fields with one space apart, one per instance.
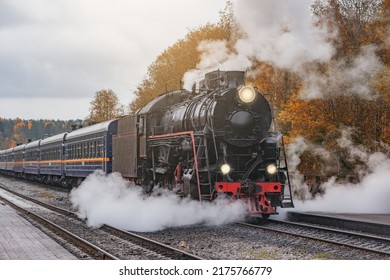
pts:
pixel 55 54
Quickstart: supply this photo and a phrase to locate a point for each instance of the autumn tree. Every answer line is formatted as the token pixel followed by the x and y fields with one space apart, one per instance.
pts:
pixel 5 141
pixel 167 71
pixel 20 129
pixel 380 34
pixel 355 97
pixel 1 128
pixel 105 106
pixel 341 104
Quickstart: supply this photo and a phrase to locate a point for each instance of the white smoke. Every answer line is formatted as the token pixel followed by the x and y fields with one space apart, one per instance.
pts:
pixel 109 199
pixel 370 195
pixel 215 54
pixel 344 77
pixel 282 34
pixel 294 152
pixel 286 35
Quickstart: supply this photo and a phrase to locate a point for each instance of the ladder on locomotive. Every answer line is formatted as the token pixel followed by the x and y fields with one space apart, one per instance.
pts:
pixel 282 165
pixel 282 158
pixel 205 182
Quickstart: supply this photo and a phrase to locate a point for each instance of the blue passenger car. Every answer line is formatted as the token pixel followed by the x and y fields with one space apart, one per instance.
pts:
pixel 89 149
pixel 9 166
pixel 18 155
pixel 51 155
pixel 31 158
pixel 3 159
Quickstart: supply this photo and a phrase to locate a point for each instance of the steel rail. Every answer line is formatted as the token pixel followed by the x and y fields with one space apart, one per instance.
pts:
pixel 41 203
pixel 157 246
pixel 323 239
pixel 353 233
pixel 94 251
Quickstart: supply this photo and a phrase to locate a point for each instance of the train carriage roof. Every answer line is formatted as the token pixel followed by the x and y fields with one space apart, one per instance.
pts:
pixel 9 150
pixel 53 139
pixel 19 148
pixel 93 129
pixel 33 144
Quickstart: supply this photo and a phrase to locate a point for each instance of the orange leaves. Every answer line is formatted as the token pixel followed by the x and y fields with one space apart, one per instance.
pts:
pixel 167 71
pixel 306 118
pixel 20 131
pixel 19 124
pixel 105 107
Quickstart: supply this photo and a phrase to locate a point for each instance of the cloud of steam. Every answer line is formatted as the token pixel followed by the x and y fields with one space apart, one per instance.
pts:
pixel 294 151
pixel 343 78
pixel 282 33
pixel 215 55
pixel 287 36
pixel 111 200
pixel 279 33
pixel 370 195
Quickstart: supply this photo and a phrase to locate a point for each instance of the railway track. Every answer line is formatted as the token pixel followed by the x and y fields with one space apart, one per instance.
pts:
pixel 139 244
pixel 366 242
pixel 225 242
pixel 89 248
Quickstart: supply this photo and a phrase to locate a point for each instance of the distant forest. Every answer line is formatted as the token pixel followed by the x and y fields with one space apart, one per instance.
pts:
pixel 18 131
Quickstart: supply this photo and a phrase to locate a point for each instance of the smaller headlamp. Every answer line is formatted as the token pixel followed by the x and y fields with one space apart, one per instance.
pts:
pixel 271 169
pixel 225 169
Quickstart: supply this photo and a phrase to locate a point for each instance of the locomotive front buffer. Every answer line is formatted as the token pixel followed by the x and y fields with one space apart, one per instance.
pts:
pixel 261 197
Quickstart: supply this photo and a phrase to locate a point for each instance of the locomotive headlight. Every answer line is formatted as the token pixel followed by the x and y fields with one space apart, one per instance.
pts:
pixel 271 169
pixel 247 94
pixel 225 169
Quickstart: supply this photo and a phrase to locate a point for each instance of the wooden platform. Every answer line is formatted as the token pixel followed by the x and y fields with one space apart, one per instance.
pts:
pixel 20 240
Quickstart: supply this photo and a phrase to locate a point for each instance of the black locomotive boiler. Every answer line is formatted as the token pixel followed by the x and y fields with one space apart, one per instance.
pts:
pixel 209 144
pixel 216 142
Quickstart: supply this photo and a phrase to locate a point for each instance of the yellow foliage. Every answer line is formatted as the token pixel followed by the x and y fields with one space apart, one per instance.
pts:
pixel 167 71
pixel 305 118
pixel 105 106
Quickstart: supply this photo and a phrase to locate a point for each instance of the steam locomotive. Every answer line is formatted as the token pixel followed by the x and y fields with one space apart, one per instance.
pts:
pixel 207 144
